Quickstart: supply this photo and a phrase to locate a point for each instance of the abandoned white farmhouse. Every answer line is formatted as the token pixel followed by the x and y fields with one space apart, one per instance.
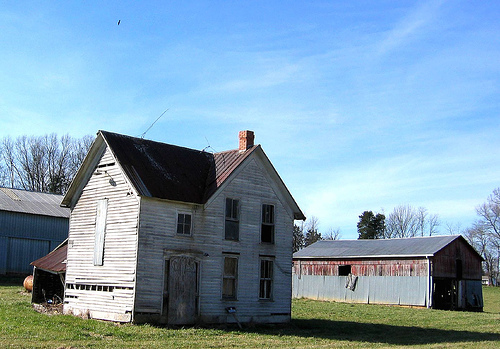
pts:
pixel 162 233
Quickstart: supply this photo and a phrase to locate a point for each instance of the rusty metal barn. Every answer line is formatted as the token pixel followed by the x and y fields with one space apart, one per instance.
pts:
pixel 441 272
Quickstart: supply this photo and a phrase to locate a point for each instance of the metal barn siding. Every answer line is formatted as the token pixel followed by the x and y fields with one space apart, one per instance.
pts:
pixel 442 272
pixel 376 281
pixel 25 237
pixel 401 290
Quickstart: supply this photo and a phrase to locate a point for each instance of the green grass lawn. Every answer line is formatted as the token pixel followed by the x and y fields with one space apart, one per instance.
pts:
pixel 315 325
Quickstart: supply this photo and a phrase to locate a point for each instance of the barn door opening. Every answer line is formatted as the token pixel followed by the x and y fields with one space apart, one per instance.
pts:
pixel 445 294
pixel 180 295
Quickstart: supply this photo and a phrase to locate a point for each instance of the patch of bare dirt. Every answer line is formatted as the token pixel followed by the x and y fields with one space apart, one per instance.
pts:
pixel 49 309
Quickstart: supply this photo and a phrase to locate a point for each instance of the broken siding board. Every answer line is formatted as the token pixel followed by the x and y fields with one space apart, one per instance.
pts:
pixel 119 254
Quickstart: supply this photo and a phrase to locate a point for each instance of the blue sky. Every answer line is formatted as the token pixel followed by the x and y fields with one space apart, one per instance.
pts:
pixel 360 105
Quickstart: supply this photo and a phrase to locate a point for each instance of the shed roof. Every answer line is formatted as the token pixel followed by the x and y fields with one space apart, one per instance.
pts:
pixel 23 201
pixel 366 248
pixel 55 261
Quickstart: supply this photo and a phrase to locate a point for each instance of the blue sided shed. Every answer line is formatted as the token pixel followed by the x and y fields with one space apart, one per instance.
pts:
pixel 31 225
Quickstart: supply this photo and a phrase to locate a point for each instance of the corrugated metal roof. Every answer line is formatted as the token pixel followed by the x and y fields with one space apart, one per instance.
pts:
pixel 23 201
pixel 408 247
pixel 55 261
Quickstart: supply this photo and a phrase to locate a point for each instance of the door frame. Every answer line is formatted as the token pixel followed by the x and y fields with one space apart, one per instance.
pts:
pixel 168 255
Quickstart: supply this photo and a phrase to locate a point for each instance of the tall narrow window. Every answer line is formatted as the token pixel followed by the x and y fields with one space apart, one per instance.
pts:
pixel 100 231
pixel 183 224
pixel 230 278
pixel 267 229
pixel 266 279
pixel 232 226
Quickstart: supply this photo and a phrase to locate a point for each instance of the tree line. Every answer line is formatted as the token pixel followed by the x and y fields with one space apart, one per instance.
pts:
pixel 45 164
pixel 306 233
pixel 407 221
pixel 403 222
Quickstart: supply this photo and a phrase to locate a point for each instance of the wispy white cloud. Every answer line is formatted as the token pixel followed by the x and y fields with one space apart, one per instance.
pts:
pixel 409 26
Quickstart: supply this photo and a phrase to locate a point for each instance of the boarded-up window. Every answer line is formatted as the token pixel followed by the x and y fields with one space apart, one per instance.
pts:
pixel 100 231
pixel 230 278
pixel 266 278
pixel 232 229
pixel 183 224
pixel 267 229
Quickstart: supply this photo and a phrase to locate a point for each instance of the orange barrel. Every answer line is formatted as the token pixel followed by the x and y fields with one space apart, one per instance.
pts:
pixel 28 283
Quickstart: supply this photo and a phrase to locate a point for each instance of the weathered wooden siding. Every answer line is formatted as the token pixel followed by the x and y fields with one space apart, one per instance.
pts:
pixel 445 262
pixel 105 291
pixel 365 267
pixel 157 238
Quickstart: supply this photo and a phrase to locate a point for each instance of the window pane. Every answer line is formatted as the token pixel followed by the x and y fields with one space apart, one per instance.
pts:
pixel 228 288
pixel 229 207
pixel 232 230
pixel 268 214
pixel 267 233
pixel 235 209
pixel 266 279
pixel 183 224
pixel 230 266
pixel 232 208
pixel 230 277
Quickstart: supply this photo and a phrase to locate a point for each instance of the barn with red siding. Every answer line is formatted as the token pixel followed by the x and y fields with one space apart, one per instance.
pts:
pixel 441 272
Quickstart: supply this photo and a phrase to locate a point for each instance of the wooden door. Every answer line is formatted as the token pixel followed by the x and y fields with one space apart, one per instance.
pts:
pixel 182 290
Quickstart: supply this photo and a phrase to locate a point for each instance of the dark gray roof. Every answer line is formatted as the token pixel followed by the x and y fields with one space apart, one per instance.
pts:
pixel 408 247
pixel 171 172
pixel 23 201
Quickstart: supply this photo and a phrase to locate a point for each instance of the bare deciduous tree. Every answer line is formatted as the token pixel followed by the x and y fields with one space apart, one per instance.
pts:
pixel 42 163
pixel 489 213
pixel 332 234
pixel 406 221
pixel 312 234
pixel 487 246
pixel 486 233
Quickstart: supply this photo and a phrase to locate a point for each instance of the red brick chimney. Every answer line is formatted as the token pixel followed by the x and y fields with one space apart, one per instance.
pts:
pixel 246 140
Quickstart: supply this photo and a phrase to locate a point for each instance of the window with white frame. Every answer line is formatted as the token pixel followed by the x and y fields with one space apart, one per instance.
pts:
pixel 183 223
pixel 230 277
pixel 266 278
pixel 267 228
pixel 232 225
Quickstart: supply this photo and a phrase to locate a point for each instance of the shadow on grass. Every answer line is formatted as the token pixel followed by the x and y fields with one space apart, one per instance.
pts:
pixel 372 333
pixel 12 280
